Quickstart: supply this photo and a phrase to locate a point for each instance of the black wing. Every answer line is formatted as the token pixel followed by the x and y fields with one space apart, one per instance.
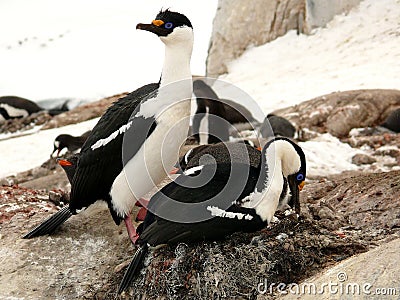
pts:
pixel 157 229
pixel 98 168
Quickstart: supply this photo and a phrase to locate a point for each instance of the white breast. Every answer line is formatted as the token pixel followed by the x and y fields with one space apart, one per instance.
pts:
pixel 154 159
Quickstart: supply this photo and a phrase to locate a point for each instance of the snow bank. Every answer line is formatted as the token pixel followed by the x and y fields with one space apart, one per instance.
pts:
pixel 26 152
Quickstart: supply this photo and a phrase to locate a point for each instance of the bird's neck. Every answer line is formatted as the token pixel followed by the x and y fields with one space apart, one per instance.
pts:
pixel 176 63
pixel 265 199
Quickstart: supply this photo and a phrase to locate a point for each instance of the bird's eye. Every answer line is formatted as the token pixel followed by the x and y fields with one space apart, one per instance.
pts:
pixel 300 177
pixel 168 25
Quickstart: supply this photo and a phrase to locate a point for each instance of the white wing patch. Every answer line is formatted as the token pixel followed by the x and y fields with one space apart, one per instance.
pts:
pixel 112 136
pixel 193 170
pixel 187 156
pixel 217 212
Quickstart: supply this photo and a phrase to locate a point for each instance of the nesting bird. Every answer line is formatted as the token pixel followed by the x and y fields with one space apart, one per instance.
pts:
pixel 126 154
pixel 219 153
pixel 14 107
pixel 236 197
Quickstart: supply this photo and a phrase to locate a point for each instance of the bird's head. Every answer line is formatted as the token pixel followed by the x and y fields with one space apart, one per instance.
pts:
pixel 171 27
pixel 293 164
pixel 59 144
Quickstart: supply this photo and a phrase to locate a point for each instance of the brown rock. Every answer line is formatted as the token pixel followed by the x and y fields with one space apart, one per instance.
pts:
pixel 339 112
pixel 79 260
pixel 83 113
pixel 362 159
pixel 8 181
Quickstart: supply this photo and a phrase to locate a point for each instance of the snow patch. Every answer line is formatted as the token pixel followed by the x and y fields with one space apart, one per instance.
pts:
pixel 326 155
pixel 29 151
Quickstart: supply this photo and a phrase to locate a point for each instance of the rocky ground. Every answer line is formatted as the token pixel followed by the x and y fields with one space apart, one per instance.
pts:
pixel 342 216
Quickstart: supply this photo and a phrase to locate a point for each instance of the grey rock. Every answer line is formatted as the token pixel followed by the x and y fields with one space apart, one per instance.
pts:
pixel 362 159
pixel 362 274
pixel 240 24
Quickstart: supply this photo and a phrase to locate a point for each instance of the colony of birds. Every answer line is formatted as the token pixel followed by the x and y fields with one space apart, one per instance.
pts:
pixel 222 188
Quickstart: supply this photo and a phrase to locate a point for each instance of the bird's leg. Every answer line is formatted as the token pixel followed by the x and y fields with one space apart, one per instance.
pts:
pixel 141 214
pixel 142 203
pixel 131 230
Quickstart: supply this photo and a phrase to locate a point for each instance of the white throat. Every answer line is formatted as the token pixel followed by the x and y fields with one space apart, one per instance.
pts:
pixel 266 201
pixel 178 51
pixel 281 160
pixel 269 200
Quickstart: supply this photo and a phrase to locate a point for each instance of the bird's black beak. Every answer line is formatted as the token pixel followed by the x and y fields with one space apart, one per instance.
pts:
pixel 155 27
pixel 295 189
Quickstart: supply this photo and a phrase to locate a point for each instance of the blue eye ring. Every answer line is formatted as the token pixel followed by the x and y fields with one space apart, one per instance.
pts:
pixel 168 25
pixel 300 177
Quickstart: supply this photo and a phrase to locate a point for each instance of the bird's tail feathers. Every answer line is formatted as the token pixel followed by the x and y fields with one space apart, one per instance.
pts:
pixel 133 268
pixel 50 224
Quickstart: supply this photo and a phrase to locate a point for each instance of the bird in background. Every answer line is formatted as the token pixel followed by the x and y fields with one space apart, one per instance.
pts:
pixel 70 142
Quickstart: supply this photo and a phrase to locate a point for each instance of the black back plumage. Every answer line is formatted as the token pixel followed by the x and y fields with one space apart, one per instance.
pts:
pixel 277 126
pixel 21 103
pixel 222 153
pixel 157 230
pixel 94 171
pixel 98 168
pixel 222 113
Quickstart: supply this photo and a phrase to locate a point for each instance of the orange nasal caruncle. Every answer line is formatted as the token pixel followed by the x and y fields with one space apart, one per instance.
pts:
pixel 157 22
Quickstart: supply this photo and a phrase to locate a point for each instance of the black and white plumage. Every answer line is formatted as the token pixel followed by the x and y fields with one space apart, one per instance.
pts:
pixel 72 143
pixel 275 183
pixel 220 153
pixel 125 154
pixel 215 117
pixel 13 107
pixel 277 126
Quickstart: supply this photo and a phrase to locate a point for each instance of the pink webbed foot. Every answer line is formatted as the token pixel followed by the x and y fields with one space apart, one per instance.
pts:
pixel 131 230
